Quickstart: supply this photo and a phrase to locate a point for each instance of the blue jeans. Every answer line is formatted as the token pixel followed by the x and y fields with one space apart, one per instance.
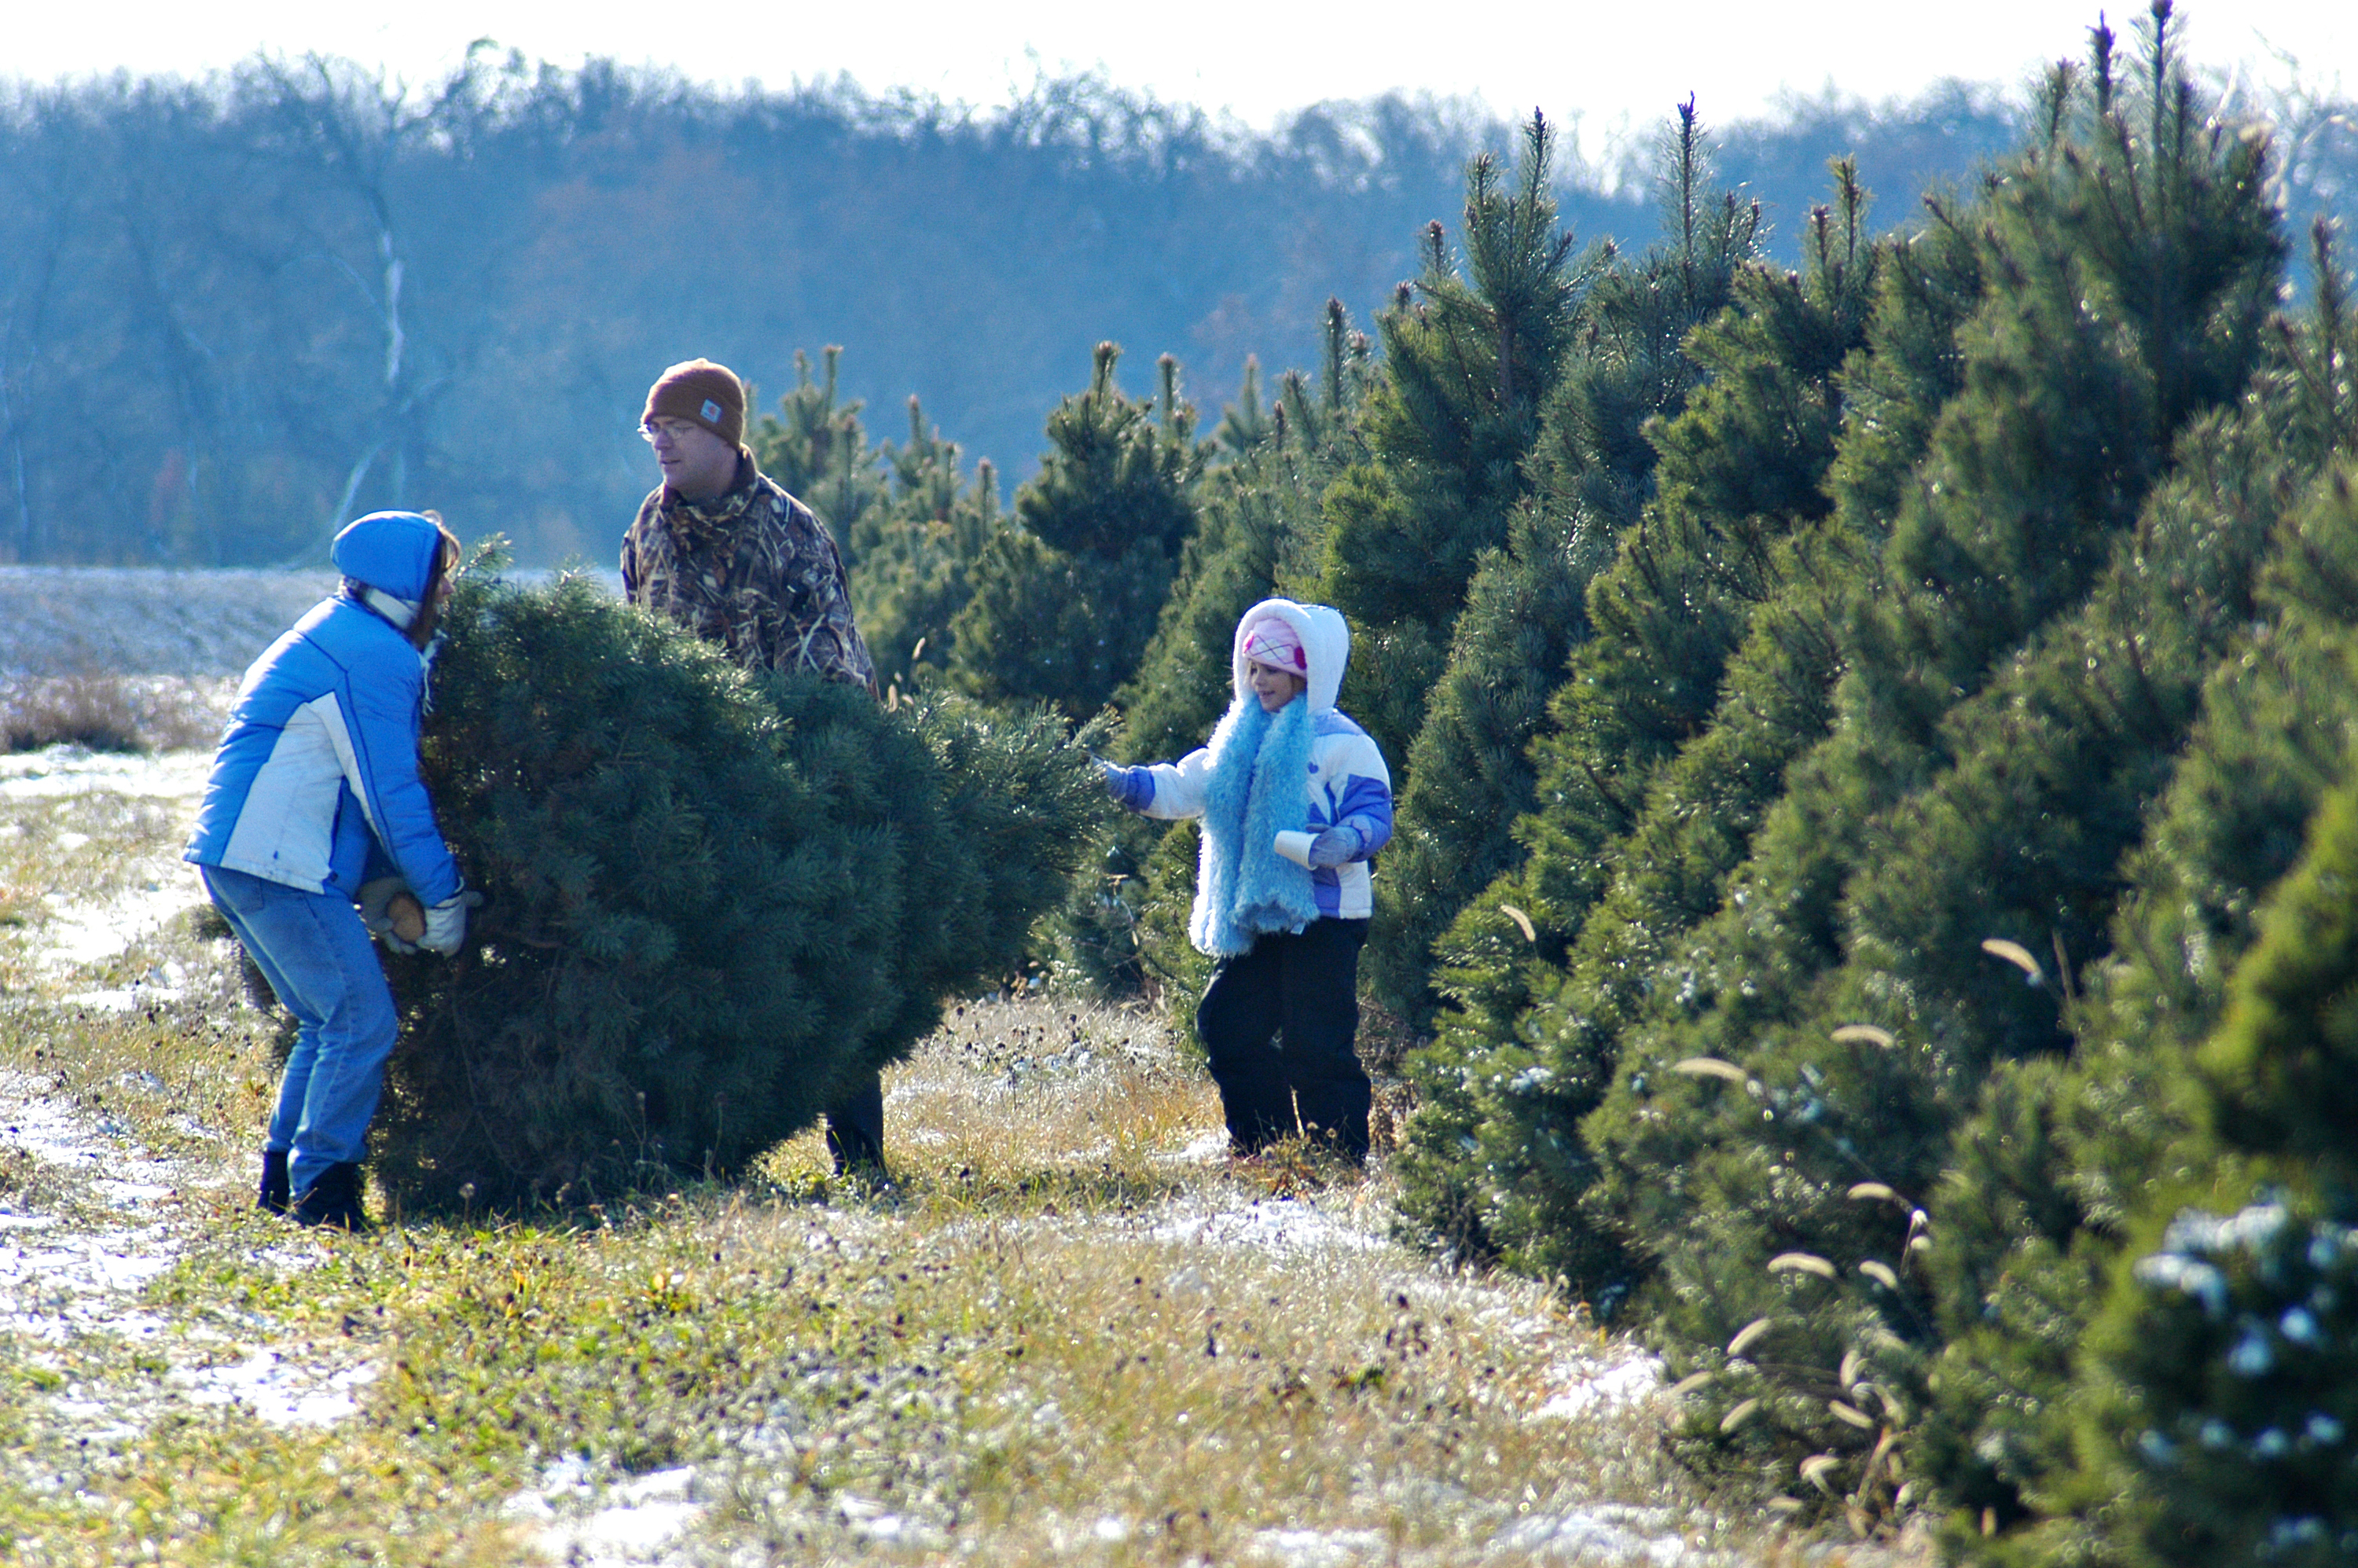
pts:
pixel 317 958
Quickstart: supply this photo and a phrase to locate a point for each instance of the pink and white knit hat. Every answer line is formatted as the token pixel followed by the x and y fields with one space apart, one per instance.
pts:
pixel 1274 642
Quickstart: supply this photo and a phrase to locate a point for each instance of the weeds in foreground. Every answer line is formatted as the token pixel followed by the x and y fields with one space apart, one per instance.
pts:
pixel 1007 1358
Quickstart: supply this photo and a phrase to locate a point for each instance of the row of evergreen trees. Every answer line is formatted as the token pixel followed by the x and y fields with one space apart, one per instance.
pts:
pixel 1846 1010
pixel 1875 823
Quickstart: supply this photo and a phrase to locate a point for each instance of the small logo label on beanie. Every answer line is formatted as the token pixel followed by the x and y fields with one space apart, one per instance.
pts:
pixel 712 410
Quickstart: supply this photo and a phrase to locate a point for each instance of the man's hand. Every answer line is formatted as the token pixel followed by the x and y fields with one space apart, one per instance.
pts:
pixel 446 923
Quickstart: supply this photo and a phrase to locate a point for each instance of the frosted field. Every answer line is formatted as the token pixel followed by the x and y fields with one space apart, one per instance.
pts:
pixel 81 621
pixel 144 621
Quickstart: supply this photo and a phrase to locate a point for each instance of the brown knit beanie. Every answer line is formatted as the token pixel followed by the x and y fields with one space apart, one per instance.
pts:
pixel 703 393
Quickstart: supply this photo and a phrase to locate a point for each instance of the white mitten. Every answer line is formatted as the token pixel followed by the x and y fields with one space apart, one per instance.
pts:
pixel 446 923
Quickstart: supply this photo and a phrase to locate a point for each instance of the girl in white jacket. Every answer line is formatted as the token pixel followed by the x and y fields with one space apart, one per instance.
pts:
pixel 1295 801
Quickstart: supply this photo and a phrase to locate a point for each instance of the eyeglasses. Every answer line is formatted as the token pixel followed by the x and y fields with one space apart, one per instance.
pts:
pixel 655 429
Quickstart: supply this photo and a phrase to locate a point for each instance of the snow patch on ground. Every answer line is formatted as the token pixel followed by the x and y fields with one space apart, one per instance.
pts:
pixel 80 933
pixel 64 1277
pixel 1269 1225
pixel 55 1281
pixel 872 1521
pixel 83 934
pixel 1209 1149
pixel 1597 1386
pixel 1319 1549
pixel 60 1286
pixel 636 1521
pixel 157 986
pixel 1608 1532
pixel 58 771
pixel 279 1391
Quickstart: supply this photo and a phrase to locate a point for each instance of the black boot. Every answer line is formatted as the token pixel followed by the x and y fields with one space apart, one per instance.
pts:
pixel 334 1199
pixel 855 1132
pixel 273 1197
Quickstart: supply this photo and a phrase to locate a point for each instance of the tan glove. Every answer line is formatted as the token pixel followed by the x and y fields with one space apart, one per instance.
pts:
pixel 393 914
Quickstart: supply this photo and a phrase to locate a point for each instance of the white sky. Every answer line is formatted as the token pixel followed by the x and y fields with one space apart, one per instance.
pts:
pixel 1608 65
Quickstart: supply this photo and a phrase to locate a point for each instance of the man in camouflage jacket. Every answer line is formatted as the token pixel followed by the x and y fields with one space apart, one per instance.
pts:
pixel 721 548
pixel 747 567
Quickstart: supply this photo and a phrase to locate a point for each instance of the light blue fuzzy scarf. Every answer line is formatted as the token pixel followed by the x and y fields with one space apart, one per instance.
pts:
pixel 1259 787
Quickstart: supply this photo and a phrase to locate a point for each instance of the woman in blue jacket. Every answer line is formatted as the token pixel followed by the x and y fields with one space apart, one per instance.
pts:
pixel 1295 801
pixel 314 788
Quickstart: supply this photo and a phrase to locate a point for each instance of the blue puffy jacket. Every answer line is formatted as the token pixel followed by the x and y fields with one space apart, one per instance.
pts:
pixel 318 764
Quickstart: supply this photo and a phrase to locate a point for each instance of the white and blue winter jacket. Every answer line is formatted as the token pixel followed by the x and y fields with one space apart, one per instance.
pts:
pixel 1348 786
pixel 318 767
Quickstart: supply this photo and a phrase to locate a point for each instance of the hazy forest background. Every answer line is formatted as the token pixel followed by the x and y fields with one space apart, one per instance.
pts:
pixel 234 311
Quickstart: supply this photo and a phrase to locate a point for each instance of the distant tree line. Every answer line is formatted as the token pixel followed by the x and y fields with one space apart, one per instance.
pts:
pixel 233 311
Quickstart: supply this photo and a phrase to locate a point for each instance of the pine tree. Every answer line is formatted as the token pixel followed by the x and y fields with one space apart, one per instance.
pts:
pixel 1993 740
pixel 909 525
pixel 1244 424
pixel 1259 524
pixel 1068 593
pixel 1636 359
pixel 711 896
pixel 2017 1282
pixel 1669 614
pixel 917 555
pixel 818 450
pixel 1765 1062
pixel 2218 1381
pixel 1468 364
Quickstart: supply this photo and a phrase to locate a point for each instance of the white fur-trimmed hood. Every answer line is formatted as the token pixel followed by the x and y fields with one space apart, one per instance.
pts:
pixel 1326 643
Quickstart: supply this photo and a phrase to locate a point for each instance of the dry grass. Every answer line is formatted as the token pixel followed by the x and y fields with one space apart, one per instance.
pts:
pixel 77 864
pixel 1007 1092
pixel 111 713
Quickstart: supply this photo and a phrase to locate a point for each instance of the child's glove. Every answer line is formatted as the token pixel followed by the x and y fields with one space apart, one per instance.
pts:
pixel 1132 789
pixel 1338 846
pixel 376 912
pixel 1316 852
pixel 446 923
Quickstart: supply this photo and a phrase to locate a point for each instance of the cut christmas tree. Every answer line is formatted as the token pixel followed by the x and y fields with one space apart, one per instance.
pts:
pixel 712 897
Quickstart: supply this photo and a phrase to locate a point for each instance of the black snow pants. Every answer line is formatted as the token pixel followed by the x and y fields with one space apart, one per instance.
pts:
pixel 1280 1021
